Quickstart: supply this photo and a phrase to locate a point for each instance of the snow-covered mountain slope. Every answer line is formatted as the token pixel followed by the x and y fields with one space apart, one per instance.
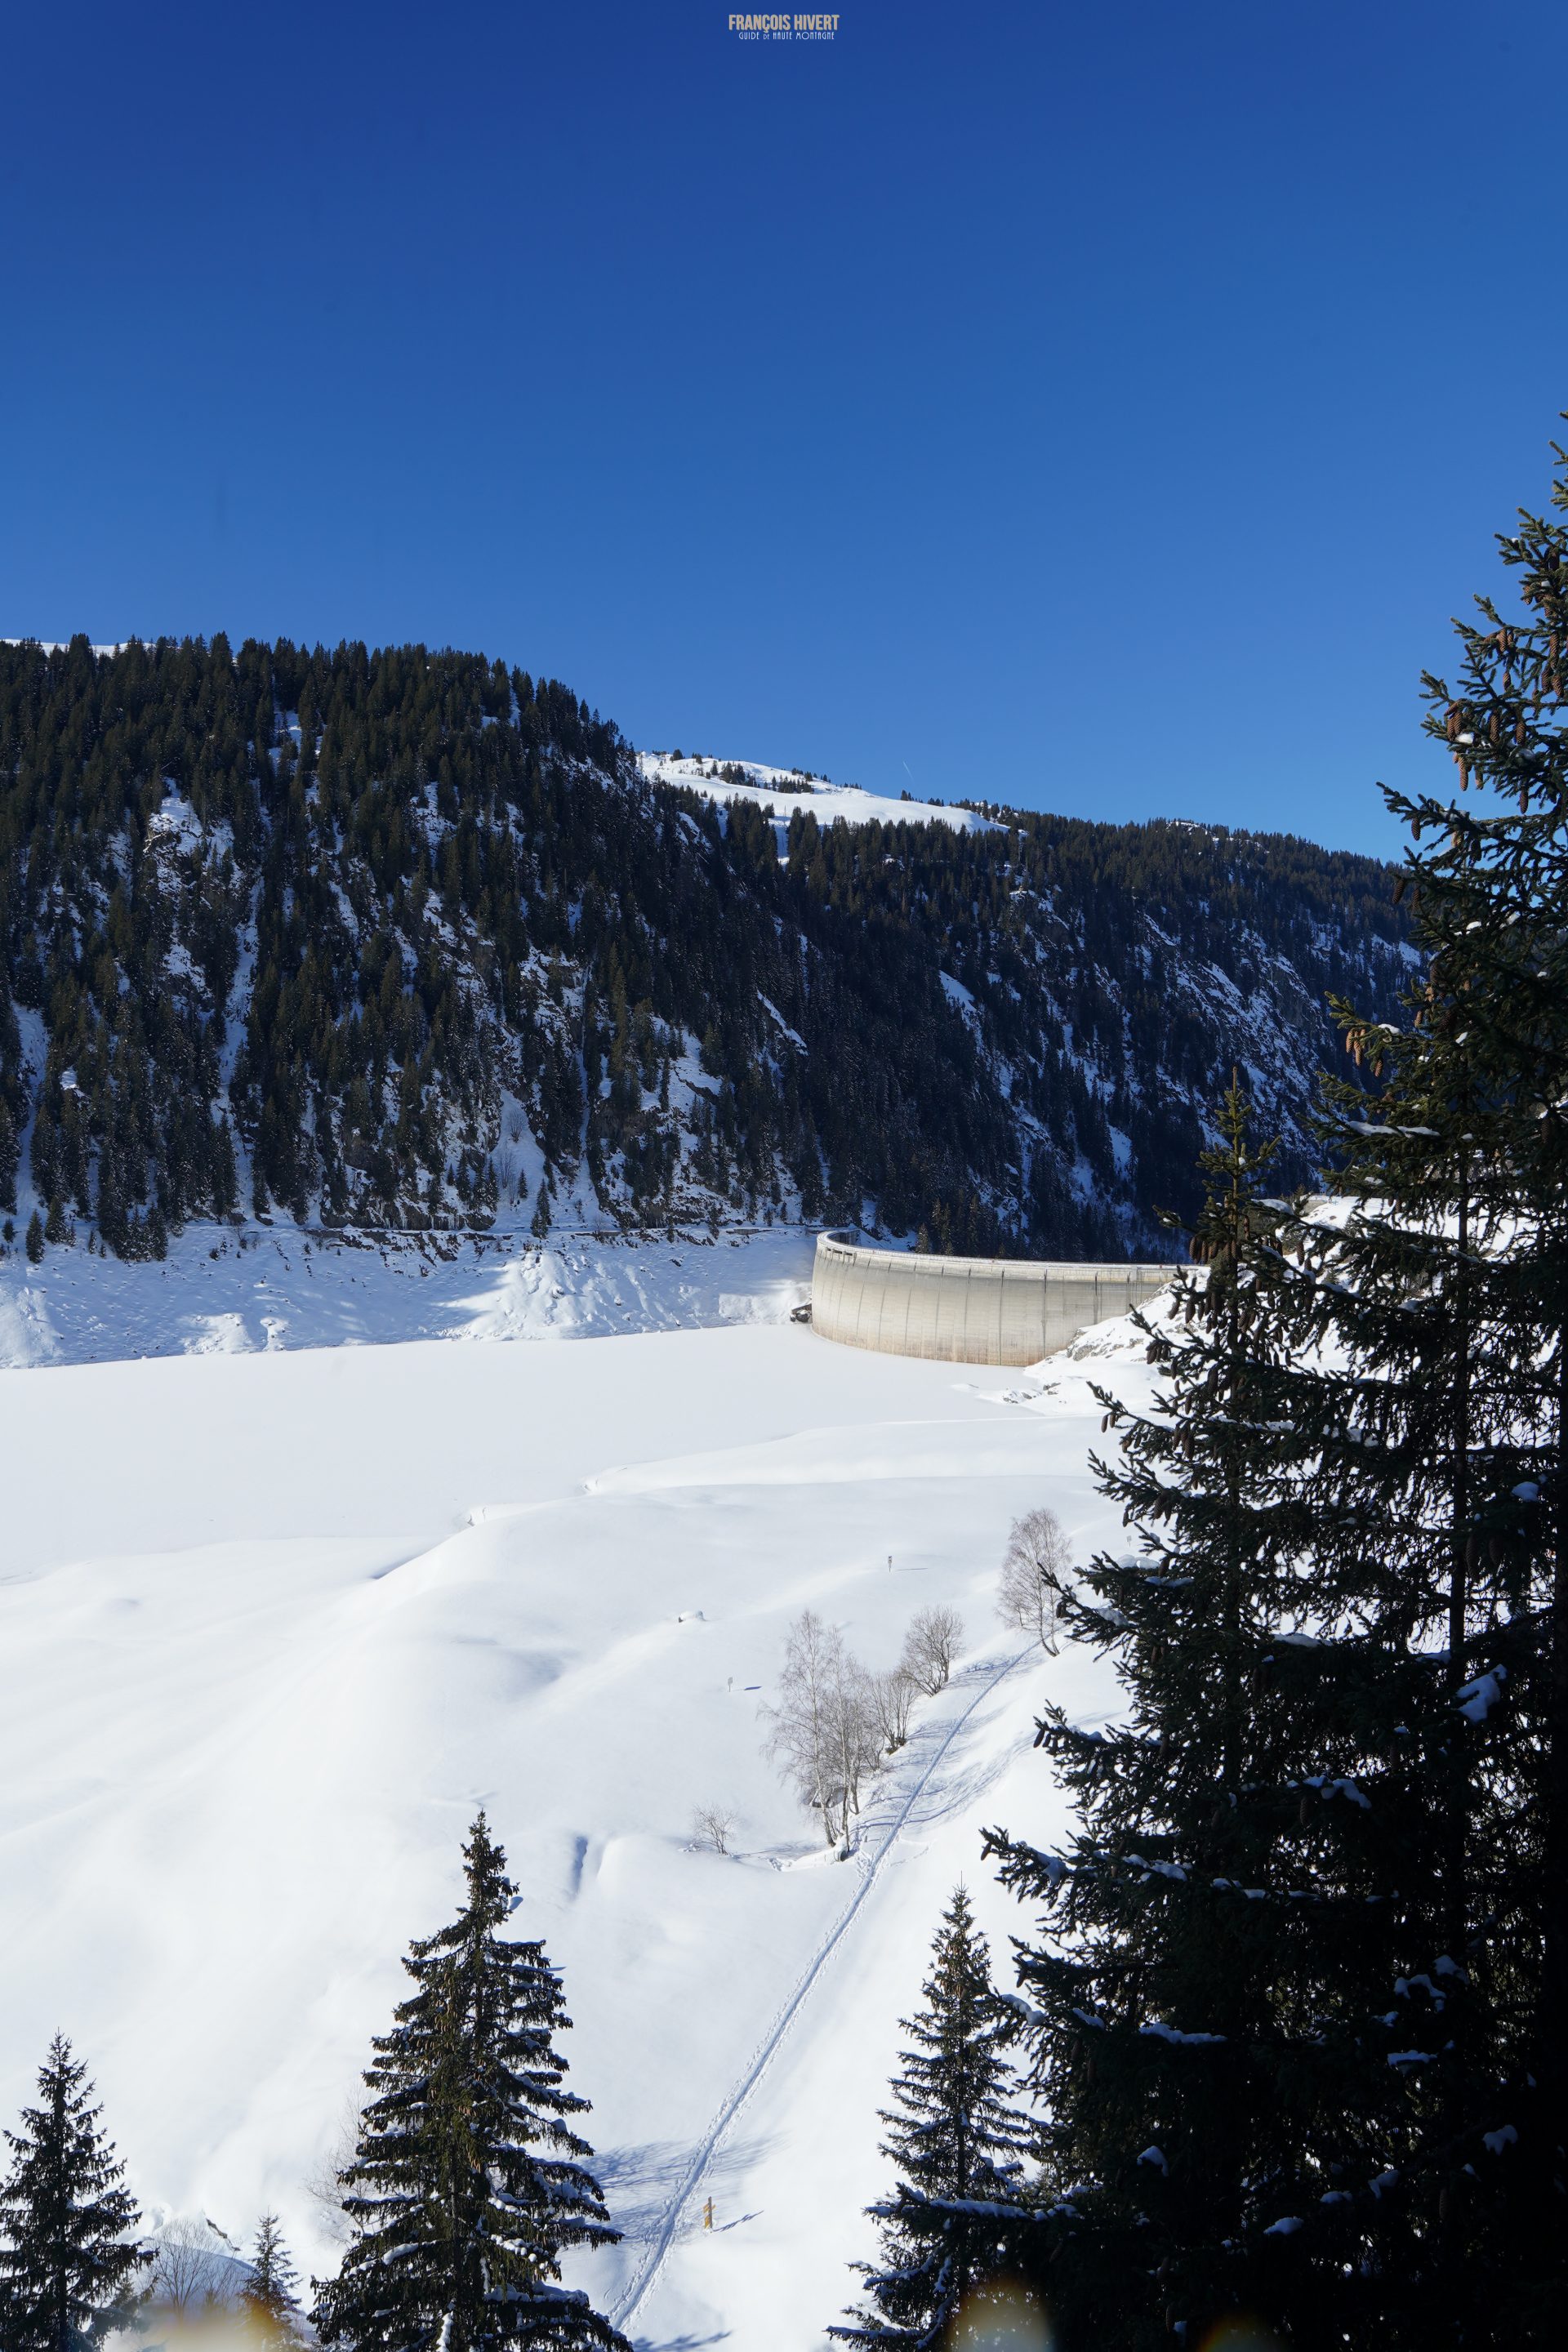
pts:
pixel 409 943
pixel 271 1629
pixel 265 1287
pixel 784 790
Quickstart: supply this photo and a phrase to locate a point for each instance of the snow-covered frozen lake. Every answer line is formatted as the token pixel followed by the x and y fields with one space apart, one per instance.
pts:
pixel 274 1625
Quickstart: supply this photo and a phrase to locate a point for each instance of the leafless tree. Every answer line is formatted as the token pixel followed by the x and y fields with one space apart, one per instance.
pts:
pixel 713 1825
pixel 324 2182
pixel 929 1647
pixel 892 1695
pixel 857 1735
pixel 800 1741
pixel 1035 1567
pixel 824 1734
pixel 185 2259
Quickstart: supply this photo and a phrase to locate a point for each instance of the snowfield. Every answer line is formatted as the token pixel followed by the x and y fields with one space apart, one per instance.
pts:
pixel 273 1625
pixel 784 790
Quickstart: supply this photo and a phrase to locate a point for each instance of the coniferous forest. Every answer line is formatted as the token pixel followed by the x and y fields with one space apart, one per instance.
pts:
pixel 325 936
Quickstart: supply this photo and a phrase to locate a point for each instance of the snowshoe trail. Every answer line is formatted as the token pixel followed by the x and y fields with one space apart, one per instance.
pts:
pixel 869 1870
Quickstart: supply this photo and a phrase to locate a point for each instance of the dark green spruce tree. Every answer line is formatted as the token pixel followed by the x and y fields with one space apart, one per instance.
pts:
pixel 1356 2129
pixel 1451 1286
pixel 1401 1371
pixel 468 2185
pixel 1247 1998
pixel 958 2140
pixel 269 2296
pixel 68 2265
pixel 1276 1989
pixel 1191 2073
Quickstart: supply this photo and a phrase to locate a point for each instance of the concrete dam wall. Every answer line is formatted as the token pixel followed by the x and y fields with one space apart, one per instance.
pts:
pixel 967 1310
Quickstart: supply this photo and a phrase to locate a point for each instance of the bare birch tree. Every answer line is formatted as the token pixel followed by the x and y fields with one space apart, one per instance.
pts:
pixel 825 1732
pixel 801 1742
pixel 931 1646
pixel 892 1695
pixel 1034 1567
pixel 856 1741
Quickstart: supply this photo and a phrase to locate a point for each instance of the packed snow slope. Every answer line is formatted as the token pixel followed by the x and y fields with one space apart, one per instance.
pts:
pixel 273 1626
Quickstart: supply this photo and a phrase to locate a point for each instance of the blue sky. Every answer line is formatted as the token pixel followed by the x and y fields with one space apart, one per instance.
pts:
pixel 1098 409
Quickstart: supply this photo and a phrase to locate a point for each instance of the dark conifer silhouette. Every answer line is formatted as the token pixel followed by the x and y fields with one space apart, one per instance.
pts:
pixel 958 2141
pixel 1172 1953
pixel 67 2266
pixel 468 2183
pixel 270 2294
pixel 1302 2004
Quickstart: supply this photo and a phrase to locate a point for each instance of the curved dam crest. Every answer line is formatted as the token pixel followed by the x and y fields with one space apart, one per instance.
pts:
pixel 967 1310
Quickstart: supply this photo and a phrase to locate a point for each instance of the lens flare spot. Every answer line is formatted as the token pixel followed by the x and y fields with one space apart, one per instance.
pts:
pixel 1240 2333
pixel 214 2329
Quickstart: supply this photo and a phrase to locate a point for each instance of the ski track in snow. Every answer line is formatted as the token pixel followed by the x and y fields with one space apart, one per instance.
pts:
pixel 991 1678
